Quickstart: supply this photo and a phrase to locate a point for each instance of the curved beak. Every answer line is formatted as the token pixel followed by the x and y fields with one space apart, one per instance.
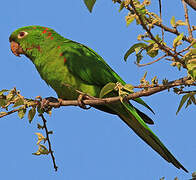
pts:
pixel 16 48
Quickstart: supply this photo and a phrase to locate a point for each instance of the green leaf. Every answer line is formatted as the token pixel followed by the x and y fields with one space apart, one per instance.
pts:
pixel 3 102
pixel 122 5
pixel 151 51
pixel 193 51
pixel 138 57
pixel 177 39
pixel 107 89
pixel 180 23
pixel 10 96
pixel 183 100
pixel 194 43
pixel 172 21
pixel 21 113
pixel 145 74
pixel 194 174
pixel 43 149
pixel 128 87
pixel 129 19
pixel 132 49
pixel 191 66
pixel 40 138
pixel 154 80
pixel 2 91
pixel 31 114
pixel 19 102
pixel 150 41
pixel 40 110
pixel 89 4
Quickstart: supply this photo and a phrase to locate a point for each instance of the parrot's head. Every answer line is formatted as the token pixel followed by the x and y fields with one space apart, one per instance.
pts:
pixel 30 39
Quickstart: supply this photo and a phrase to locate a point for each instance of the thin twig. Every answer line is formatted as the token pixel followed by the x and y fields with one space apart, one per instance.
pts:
pixel 156 60
pixel 185 49
pixel 160 11
pixel 187 20
pixel 10 112
pixel 172 30
pixel 49 144
pixel 162 47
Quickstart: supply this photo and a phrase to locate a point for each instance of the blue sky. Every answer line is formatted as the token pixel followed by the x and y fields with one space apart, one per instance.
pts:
pixel 90 144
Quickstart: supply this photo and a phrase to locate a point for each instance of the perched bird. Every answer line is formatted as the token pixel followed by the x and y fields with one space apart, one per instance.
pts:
pixel 69 67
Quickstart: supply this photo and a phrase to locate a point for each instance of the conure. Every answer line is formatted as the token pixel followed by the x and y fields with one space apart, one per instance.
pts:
pixel 70 68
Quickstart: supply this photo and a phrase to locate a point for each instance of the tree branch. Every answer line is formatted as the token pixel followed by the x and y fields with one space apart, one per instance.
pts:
pixel 141 65
pixel 173 31
pixel 92 101
pixel 187 20
pixel 48 140
pixel 97 101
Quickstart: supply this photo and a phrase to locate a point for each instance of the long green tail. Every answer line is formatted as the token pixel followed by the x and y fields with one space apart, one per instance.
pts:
pixel 130 116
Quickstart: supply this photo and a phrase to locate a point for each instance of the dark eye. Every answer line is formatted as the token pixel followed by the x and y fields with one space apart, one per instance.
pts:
pixel 22 34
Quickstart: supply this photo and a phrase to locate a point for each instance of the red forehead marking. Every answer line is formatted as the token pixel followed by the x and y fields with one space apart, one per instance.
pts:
pixel 51 38
pixel 58 47
pixel 34 27
pixel 44 31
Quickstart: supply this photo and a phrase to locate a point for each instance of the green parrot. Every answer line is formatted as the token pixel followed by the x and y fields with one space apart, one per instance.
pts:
pixel 70 68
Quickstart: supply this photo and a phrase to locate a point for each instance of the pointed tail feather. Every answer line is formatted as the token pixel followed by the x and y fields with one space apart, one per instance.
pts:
pixel 134 121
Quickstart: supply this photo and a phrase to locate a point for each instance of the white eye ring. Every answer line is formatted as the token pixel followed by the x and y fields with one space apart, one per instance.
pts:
pixel 22 34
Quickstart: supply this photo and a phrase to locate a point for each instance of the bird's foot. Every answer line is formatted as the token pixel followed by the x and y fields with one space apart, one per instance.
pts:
pixel 80 99
pixel 44 103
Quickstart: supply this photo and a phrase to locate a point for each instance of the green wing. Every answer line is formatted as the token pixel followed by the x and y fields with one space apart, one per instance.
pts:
pixel 91 68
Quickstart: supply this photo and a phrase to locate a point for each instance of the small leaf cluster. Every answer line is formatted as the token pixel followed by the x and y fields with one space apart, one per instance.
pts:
pixel 149 46
pixel 11 99
pixel 42 150
pixel 122 90
pixel 189 99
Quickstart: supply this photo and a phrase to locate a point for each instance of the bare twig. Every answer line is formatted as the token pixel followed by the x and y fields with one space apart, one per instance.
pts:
pixel 172 30
pixel 185 49
pixel 9 112
pixel 160 10
pixel 48 140
pixel 187 20
pixel 156 60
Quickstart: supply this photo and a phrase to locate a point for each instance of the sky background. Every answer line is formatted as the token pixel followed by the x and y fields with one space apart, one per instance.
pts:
pixel 91 144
